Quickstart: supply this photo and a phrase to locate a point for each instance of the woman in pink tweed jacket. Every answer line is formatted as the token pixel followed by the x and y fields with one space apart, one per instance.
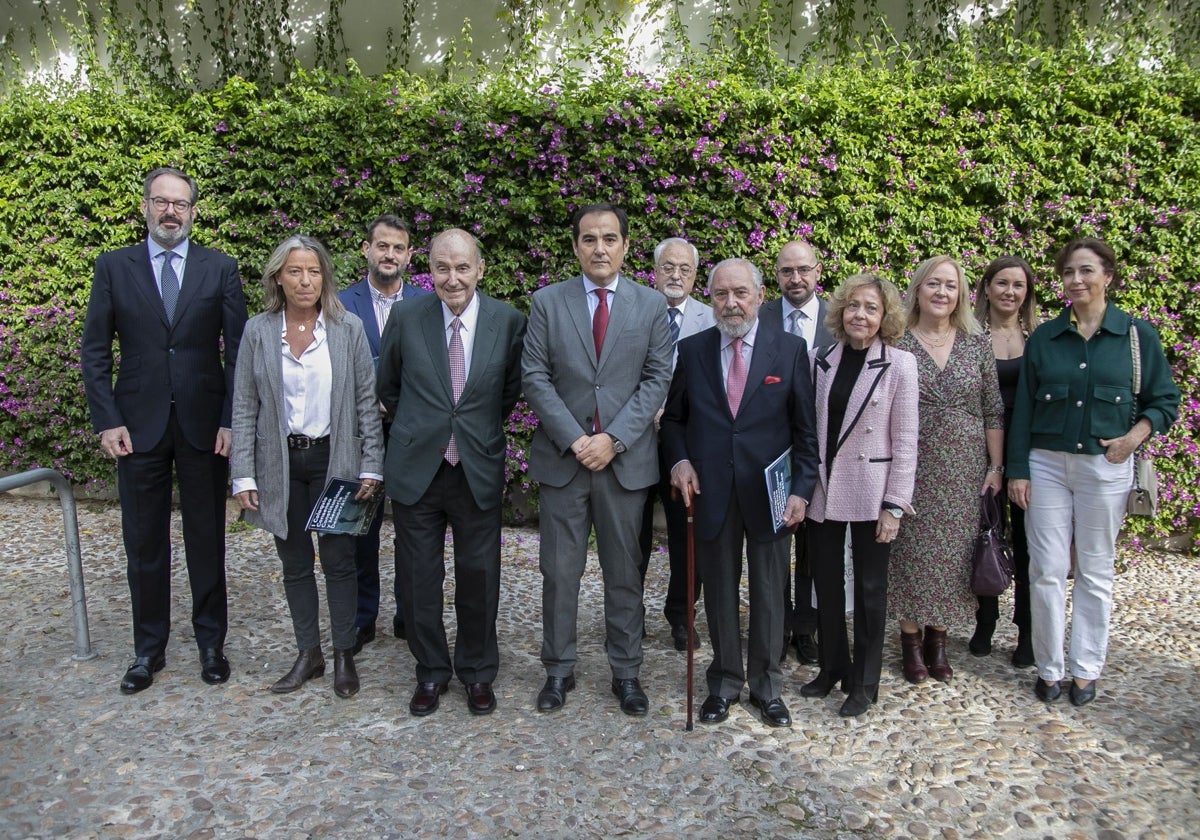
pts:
pixel 866 398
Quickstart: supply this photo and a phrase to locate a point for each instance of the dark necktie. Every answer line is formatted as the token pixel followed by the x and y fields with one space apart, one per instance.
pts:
pixel 458 378
pixel 170 284
pixel 674 313
pixel 599 327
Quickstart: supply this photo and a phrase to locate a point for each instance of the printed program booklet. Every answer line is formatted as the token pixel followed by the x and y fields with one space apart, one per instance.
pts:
pixel 778 474
pixel 338 512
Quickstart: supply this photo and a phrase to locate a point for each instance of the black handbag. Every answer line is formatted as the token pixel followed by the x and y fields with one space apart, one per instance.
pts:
pixel 992 569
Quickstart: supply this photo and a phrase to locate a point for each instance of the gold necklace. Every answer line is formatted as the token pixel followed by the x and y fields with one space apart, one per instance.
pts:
pixel 301 327
pixel 921 334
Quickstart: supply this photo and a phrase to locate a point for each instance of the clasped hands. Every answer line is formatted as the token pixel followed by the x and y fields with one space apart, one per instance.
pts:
pixel 595 452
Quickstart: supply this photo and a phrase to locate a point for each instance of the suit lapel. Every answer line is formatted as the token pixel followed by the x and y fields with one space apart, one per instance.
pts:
pixel 766 350
pixel 195 276
pixel 577 307
pixel 366 314
pixel 143 278
pixel 339 355
pixel 618 315
pixel 864 387
pixel 433 328
pixel 273 356
pixel 482 348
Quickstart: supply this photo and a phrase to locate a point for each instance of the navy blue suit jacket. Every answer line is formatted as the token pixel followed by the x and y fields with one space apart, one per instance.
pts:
pixel 162 361
pixel 357 299
pixel 728 454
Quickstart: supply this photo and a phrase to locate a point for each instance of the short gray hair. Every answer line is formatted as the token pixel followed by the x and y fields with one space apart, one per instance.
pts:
pixel 675 240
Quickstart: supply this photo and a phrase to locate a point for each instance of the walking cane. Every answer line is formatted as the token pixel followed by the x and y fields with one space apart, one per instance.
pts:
pixel 691 605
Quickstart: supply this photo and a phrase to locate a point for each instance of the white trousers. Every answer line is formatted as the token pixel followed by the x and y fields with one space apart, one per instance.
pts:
pixel 1079 498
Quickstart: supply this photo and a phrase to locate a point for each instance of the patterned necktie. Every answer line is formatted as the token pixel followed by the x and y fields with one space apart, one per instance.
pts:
pixel 170 284
pixel 735 383
pixel 797 317
pixel 674 313
pixel 600 321
pixel 458 378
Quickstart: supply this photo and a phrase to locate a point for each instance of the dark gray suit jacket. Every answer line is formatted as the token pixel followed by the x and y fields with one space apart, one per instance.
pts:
pixel 771 315
pixel 565 383
pixel 414 386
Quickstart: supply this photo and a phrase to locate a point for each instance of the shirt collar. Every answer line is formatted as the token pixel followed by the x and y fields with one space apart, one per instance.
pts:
pixel 589 286
pixel 380 297
pixel 156 249
pixel 469 316
pixel 1114 321
pixel 747 339
pixel 811 308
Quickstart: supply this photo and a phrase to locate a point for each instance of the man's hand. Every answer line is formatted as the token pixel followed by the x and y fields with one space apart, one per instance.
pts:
pixel 116 443
pixel 248 499
pixel 685 480
pixel 594 451
pixel 224 443
pixel 366 489
pixel 793 514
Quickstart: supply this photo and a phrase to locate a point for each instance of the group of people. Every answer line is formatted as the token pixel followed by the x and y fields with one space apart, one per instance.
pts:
pixel 884 420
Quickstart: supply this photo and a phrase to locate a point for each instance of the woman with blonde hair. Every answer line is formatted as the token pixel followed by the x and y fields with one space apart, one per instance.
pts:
pixel 959 457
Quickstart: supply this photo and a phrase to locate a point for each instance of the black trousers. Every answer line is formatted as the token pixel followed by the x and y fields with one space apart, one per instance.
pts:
pixel 421 538
pixel 366 559
pixel 989 605
pixel 675 606
pixel 801 614
pixel 144 481
pixel 870 558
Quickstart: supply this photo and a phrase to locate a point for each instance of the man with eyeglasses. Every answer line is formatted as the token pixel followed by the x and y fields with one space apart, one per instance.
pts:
pixel 387 249
pixel 802 313
pixel 675 264
pixel 176 309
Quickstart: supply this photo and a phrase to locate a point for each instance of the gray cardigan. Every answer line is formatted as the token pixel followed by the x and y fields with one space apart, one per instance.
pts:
pixel 260 419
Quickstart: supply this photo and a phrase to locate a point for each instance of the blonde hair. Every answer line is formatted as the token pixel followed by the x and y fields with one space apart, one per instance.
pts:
pixel 273 297
pixel 891 325
pixel 961 318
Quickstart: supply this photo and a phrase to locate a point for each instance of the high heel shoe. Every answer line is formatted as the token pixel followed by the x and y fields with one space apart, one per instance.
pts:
pixel 308 665
pixel 860 699
pixel 822 685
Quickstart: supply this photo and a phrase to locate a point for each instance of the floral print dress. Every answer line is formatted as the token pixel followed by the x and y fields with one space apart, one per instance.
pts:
pixel 929 581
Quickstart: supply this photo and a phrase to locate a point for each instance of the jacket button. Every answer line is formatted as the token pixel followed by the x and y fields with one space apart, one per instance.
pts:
pixel 1079 403
pixel 862 457
pixel 1082 365
pixel 869 429
pixel 1079 446
pixel 1047 398
pixel 1118 399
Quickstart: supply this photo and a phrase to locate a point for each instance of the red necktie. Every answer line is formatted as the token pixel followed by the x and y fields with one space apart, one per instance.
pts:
pixel 599 327
pixel 735 383
pixel 458 378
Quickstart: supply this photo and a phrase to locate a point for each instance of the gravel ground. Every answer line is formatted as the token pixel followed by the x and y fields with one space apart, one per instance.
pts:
pixel 978 757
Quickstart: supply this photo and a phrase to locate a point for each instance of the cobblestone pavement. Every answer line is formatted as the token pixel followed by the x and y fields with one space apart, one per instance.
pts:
pixel 978 757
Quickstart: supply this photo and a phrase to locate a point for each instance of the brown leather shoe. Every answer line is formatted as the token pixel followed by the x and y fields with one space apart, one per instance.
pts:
pixel 914 663
pixel 345 675
pixel 481 700
pixel 425 698
pixel 308 665
pixel 935 655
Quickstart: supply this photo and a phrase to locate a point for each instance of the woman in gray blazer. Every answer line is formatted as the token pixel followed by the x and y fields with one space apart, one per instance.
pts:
pixel 304 411
pixel 866 394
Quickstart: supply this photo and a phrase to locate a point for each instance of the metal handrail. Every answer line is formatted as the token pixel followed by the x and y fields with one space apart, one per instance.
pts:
pixel 83 639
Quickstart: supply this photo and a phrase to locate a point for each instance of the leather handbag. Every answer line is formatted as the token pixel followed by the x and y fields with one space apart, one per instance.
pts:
pixel 1143 496
pixel 992 569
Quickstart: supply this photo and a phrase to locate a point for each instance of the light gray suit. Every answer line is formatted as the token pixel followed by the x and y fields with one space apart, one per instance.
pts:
pixel 565 384
pixel 260 449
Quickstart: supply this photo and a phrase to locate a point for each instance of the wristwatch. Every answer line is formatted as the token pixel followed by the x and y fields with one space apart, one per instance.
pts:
pixel 895 510
pixel 618 447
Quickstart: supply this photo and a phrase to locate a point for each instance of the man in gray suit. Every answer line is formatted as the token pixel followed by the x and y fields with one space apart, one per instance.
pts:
pixel 596 367
pixel 802 313
pixel 675 263
pixel 449 374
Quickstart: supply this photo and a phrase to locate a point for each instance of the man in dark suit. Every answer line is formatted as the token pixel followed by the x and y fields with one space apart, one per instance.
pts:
pixel 387 248
pixel 449 374
pixel 596 367
pixel 802 313
pixel 675 263
pixel 171 305
pixel 740 397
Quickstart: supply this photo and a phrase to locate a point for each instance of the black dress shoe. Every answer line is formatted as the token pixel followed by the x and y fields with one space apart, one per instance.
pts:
pixel 481 700
pixel 425 698
pixel 806 648
pixel 772 712
pixel 860 699
pixel 362 636
pixel 1047 692
pixel 345 675
pixel 140 675
pixel 633 699
pixel 1082 696
pixel 679 635
pixel 554 693
pixel 822 685
pixel 715 709
pixel 214 667
pixel 398 629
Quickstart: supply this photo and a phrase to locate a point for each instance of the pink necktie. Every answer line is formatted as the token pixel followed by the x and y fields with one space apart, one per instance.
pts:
pixel 735 383
pixel 458 378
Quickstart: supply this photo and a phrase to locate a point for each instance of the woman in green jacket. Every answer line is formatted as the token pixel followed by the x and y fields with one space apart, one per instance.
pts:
pixel 1074 428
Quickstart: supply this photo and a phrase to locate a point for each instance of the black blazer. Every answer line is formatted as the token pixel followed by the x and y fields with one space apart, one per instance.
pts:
pixel 159 361
pixel 729 455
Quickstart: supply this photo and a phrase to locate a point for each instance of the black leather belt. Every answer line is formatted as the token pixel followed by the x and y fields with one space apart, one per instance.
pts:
pixel 305 442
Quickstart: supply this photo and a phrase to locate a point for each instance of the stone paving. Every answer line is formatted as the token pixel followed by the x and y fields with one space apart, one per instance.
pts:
pixel 976 758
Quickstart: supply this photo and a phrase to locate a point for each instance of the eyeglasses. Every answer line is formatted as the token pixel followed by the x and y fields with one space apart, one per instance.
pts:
pixel 159 203
pixel 795 270
pixel 670 268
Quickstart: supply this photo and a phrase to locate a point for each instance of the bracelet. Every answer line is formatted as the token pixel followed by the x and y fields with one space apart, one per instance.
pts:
pixel 996 468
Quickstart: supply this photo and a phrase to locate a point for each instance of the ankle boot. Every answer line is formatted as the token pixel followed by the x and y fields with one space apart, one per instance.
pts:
pixel 981 642
pixel 345 676
pixel 860 699
pixel 914 663
pixel 308 665
pixel 822 685
pixel 1023 655
pixel 935 655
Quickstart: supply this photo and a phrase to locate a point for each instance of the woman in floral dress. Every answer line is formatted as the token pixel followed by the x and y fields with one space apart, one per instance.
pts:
pixel 960 456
